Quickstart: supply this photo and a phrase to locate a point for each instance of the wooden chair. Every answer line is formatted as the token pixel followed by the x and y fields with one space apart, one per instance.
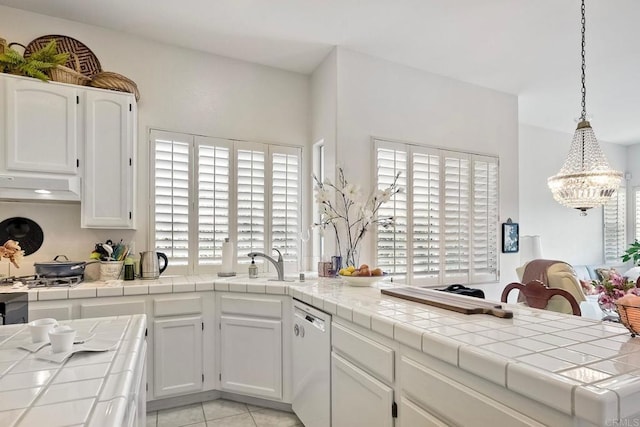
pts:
pixel 537 295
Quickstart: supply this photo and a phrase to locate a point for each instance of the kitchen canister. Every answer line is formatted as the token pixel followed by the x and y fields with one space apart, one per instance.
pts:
pixel 110 270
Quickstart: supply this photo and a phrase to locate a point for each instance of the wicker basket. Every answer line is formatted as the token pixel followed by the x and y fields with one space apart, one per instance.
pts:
pixel 63 74
pixel 630 317
pixel 115 81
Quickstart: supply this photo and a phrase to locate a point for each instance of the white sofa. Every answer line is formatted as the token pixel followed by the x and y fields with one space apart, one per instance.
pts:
pixel 588 272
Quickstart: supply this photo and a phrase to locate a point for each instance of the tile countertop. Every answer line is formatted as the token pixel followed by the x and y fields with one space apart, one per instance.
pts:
pixel 576 365
pixel 581 367
pixel 163 285
pixel 88 389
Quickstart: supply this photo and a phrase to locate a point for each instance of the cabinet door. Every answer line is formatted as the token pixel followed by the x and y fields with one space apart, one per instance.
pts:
pixel 41 127
pixel 177 346
pixel 358 399
pixel 251 356
pixel 107 193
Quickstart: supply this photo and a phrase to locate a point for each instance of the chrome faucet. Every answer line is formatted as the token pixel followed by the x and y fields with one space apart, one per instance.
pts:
pixel 279 264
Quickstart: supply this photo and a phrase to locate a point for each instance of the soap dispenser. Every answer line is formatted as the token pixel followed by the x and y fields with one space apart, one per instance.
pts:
pixel 253 269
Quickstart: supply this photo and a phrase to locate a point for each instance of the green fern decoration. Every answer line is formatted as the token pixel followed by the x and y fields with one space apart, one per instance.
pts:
pixel 36 65
pixel 49 54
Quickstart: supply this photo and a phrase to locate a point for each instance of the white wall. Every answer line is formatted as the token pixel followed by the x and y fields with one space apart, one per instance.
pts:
pixel 380 98
pixel 565 235
pixel 323 123
pixel 181 90
pixel 633 167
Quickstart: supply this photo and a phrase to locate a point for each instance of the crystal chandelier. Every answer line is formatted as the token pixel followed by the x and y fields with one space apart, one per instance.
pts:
pixel 585 180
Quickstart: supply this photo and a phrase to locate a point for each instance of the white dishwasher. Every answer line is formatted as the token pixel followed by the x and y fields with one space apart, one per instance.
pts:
pixel 311 365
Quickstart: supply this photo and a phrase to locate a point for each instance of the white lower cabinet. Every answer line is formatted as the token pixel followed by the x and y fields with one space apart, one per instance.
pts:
pixel 253 350
pixel 357 398
pixel 433 398
pixel 181 357
pixel 177 352
pixel 251 356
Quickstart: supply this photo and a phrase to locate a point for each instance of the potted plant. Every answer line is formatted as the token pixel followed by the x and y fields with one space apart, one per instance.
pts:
pixel 37 65
pixel 632 253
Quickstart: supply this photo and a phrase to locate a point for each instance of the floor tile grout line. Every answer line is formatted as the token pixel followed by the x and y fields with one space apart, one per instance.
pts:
pixel 253 419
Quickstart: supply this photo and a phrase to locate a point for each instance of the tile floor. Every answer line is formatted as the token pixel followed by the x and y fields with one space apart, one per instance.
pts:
pixel 221 413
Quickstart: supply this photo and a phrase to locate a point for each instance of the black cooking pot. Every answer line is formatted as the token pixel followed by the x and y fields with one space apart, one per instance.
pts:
pixel 61 268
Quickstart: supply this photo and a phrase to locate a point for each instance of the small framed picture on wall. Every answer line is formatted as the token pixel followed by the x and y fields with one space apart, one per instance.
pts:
pixel 510 237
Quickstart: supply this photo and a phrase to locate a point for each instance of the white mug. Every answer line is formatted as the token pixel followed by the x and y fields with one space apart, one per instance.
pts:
pixel 40 328
pixel 62 339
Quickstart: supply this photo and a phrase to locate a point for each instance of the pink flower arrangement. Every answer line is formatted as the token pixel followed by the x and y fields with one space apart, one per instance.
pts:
pixel 612 288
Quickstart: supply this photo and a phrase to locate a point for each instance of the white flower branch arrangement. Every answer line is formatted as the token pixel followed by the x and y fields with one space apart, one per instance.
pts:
pixel 343 208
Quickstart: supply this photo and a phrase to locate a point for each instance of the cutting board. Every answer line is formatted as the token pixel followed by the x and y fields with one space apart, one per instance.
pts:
pixel 461 304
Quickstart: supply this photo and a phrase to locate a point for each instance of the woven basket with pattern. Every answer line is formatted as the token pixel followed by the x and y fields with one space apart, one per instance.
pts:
pixel 115 81
pixel 63 74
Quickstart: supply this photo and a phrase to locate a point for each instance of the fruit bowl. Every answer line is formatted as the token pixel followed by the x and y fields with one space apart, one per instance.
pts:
pixel 361 280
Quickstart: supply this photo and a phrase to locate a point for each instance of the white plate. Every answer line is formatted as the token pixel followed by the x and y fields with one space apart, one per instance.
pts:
pixel 34 347
pixel 361 280
pixel 94 345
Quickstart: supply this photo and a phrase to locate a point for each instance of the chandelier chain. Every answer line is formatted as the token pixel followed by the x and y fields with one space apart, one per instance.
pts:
pixel 583 115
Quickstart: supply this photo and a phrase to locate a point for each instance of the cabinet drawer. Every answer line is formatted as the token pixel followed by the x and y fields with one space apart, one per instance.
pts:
pixel 58 313
pixel 439 394
pixel 366 353
pixel 411 415
pixel 251 306
pixel 176 306
pixel 112 309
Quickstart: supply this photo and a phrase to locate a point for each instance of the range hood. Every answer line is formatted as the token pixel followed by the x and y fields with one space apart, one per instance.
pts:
pixel 39 188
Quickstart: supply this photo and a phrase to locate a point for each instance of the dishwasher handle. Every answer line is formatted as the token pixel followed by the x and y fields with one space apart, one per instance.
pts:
pixel 298 330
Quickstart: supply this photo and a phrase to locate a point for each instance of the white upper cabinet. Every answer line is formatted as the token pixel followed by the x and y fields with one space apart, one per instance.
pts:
pixel 41 127
pixel 108 167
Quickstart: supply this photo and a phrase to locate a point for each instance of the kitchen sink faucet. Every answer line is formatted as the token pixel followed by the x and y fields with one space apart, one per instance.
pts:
pixel 279 264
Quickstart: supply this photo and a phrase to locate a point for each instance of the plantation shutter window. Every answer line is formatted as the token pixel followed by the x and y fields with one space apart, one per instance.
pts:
pixel 213 180
pixel 392 241
pixel 207 189
pixel 171 171
pixel 250 191
pixel 456 218
pixel 447 219
pixel 285 172
pixel 614 218
pixel 485 219
pixel 426 215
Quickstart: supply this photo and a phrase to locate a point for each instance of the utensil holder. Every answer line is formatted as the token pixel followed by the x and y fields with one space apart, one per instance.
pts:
pixel 110 270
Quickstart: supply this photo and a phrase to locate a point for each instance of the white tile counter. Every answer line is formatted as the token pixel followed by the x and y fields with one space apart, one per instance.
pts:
pixel 88 389
pixel 578 366
pixel 163 285
pixel 581 367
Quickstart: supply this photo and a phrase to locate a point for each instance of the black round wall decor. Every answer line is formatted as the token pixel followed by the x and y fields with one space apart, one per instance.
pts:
pixel 24 231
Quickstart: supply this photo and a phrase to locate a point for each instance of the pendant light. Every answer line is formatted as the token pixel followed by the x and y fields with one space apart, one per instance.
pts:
pixel 585 180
